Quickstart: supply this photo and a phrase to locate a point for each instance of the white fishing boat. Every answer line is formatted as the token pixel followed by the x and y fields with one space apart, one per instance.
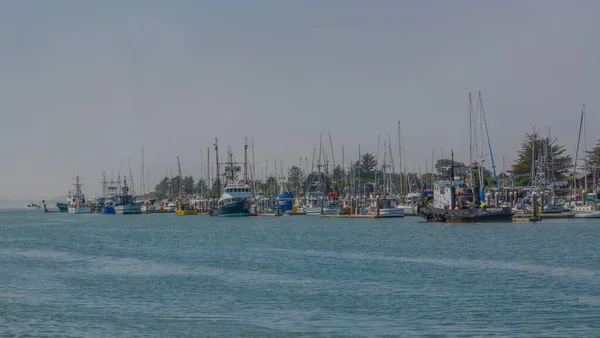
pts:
pixel 77 201
pixel 388 207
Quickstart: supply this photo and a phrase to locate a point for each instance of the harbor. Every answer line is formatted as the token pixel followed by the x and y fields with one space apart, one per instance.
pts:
pixel 540 184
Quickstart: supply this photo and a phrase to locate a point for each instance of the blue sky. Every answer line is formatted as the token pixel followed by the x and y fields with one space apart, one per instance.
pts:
pixel 87 83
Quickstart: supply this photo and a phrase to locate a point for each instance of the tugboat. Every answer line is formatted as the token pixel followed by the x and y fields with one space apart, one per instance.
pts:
pixel 236 196
pixel 77 202
pixel 450 205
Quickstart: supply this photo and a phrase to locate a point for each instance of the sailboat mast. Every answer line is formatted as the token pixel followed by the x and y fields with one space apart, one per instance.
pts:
pixel 585 169
pixel 253 171
pixel 218 172
pixel 143 181
pixel 533 158
pixel 246 160
pixel 181 188
pixel 208 181
pixel 131 179
pixel 400 159
pixel 470 138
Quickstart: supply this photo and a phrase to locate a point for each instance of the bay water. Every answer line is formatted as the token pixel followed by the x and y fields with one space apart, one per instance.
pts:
pixel 163 275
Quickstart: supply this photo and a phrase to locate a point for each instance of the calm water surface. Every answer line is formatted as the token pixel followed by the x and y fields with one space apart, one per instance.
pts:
pixel 172 276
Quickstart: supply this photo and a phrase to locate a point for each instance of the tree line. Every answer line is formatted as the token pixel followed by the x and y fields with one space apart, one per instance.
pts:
pixel 367 169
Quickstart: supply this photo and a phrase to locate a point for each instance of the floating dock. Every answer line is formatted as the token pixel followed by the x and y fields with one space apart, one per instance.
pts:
pixel 557 215
pixel 526 218
pixel 355 216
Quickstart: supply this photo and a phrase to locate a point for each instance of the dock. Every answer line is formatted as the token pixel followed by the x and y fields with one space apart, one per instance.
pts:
pixel 526 218
pixel 353 216
pixel 556 215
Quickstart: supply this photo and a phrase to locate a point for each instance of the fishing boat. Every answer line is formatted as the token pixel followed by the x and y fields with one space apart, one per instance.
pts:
pixel 316 204
pixel 109 192
pixel 124 203
pixel 77 202
pixel 388 207
pixel 235 200
pixel 285 201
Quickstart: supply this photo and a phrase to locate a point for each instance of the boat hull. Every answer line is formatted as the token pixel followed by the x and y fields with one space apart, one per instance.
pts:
pixel 285 206
pixel 235 209
pixel 108 210
pixel 80 210
pixel 391 212
pixel 62 207
pixel 128 209
pixel 317 211
pixel 409 210
pixel 586 214
pixel 186 212
pixel 472 215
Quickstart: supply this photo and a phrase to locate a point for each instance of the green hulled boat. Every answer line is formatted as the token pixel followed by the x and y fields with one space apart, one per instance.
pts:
pixel 62 207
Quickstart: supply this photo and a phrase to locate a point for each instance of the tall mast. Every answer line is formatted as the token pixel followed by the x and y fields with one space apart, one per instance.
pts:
pixel 332 152
pixel 143 181
pixel 400 159
pixel 482 194
pixel 181 189
pixel 253 170
pixel 246 161
pixel 585 171
pixel 577 152
pixel 383 167
pixel 533 158
pixel 218 172
pixel 131 179
pixel 470 138
pixel 208 181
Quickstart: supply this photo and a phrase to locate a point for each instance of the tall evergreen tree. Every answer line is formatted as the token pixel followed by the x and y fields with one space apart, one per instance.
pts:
pixel 558 162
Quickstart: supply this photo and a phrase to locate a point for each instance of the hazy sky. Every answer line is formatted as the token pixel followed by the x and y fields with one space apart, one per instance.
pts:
pixel 87 83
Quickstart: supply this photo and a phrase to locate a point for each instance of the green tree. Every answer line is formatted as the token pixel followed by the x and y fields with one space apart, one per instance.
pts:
pixel 189 185
pixel 201 186
pixel 295 176
pixel 593 157
pixel 368 165
pixel 558 163
pixel 162 188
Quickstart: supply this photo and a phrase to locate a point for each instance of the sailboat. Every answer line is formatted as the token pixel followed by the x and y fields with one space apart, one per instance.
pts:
pixel 591 206
pixel 410 208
